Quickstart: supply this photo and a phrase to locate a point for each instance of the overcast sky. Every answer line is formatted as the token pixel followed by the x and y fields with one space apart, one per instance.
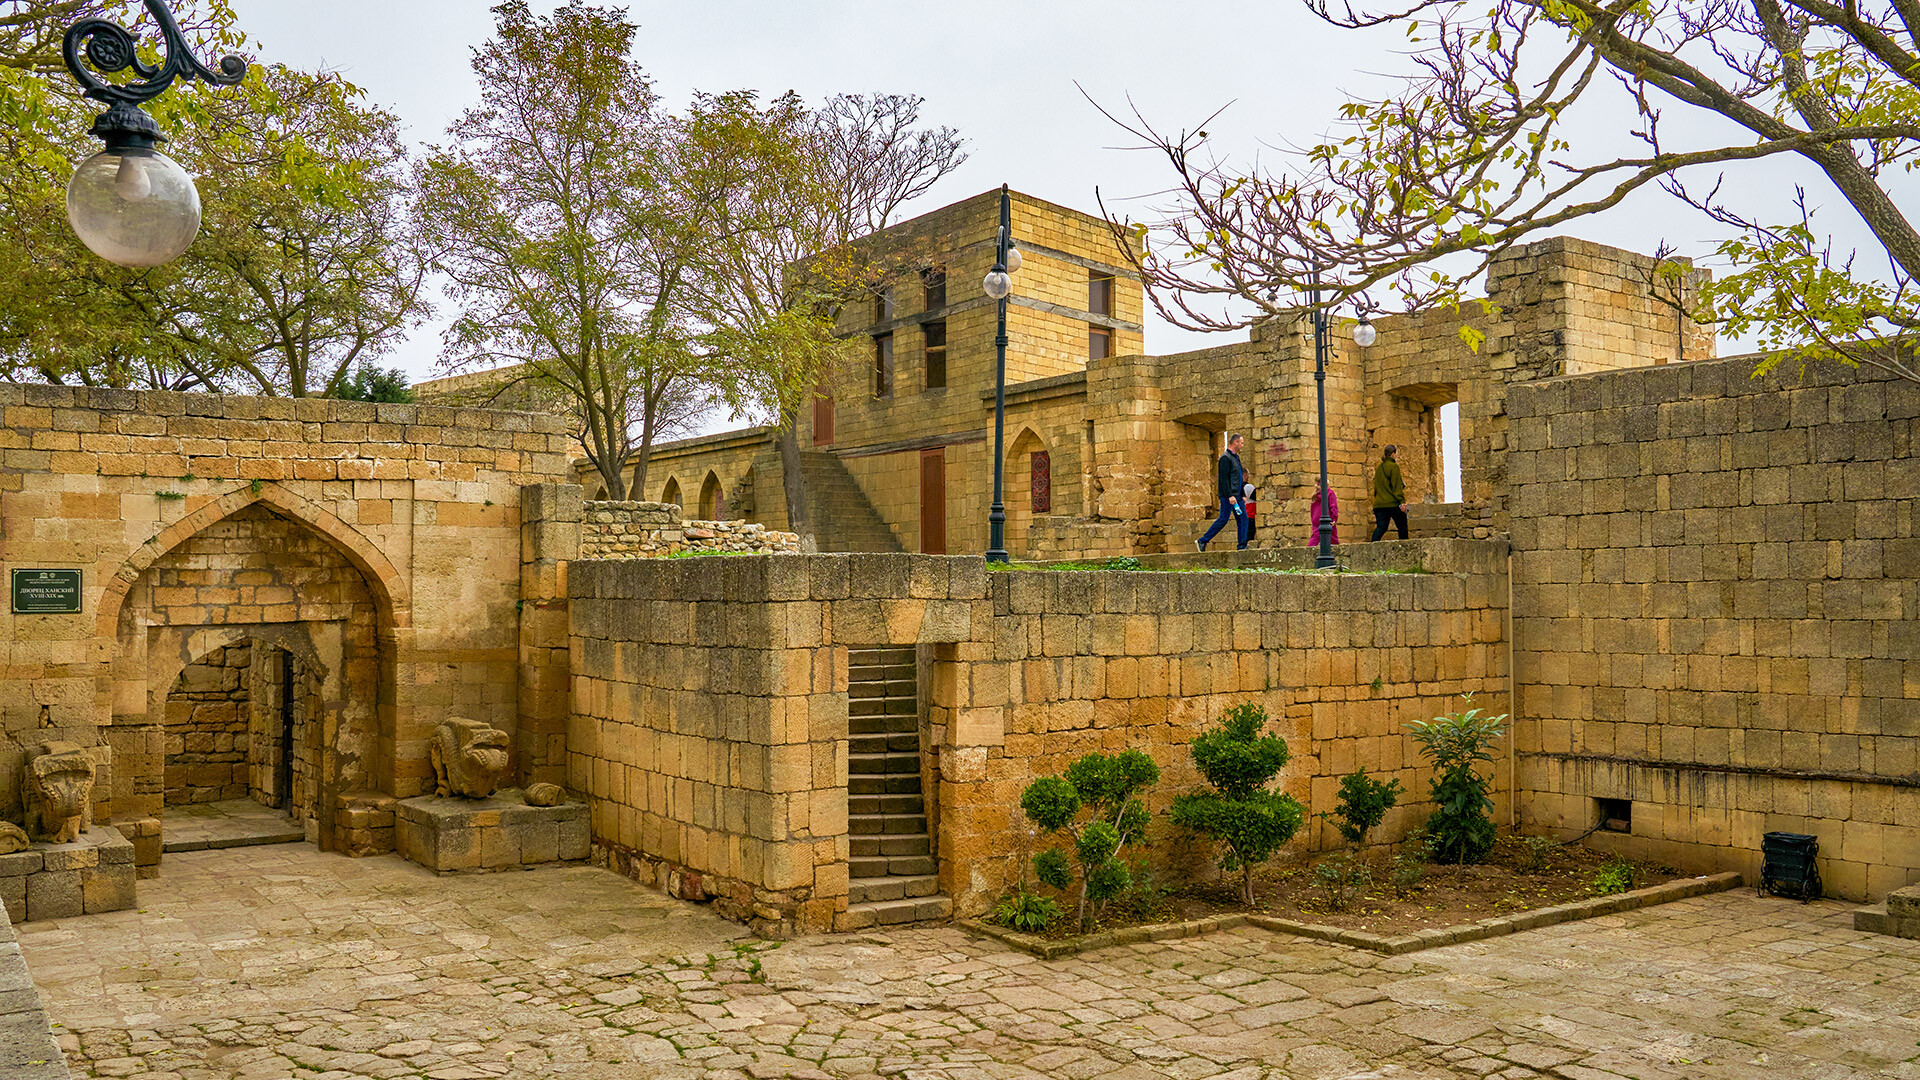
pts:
pixel 1004 73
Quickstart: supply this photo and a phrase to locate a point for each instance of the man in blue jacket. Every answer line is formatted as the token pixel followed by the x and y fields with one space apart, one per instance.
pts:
pixel 1232 476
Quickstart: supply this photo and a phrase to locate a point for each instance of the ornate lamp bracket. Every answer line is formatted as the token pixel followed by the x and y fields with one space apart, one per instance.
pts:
pixel 112 48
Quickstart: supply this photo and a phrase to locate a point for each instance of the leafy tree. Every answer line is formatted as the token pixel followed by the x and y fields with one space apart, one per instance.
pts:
pixel 1460 829
pixel 371 383
pixel 1238 760
pixel 1483 147
pixel 1364 803
pixel 806 183
pixel 558 221
pixel 304 266
pixel 1108 787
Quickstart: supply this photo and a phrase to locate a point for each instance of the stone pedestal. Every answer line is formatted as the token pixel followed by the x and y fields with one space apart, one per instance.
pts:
pixel 1898 917
pixel 497 833
pixel 58 881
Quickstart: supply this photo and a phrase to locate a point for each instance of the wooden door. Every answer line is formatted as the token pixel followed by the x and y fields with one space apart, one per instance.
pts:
pixel 822 417
pixel 933 501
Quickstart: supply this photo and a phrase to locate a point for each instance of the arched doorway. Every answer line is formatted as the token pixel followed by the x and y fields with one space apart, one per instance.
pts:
pixel 255 613
pixel 671 493
pixel 1027 485
pixel 713 501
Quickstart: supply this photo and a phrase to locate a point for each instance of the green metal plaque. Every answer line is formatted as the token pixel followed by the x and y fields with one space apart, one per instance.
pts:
pixel 46 592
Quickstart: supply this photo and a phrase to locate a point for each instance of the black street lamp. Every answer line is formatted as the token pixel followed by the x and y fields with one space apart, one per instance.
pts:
pixel 998 283
pixel 130 203
pixel 1363 335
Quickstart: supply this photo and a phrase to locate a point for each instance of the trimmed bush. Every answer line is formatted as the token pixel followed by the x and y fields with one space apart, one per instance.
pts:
pixel 1238 760
pixel 1108 786
pixel 1364 803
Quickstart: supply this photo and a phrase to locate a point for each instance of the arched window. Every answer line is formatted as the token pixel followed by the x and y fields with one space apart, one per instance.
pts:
pixel 671 493
pixel 713 501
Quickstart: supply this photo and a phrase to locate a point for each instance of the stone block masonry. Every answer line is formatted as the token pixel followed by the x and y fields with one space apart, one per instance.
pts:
pixel 710 722
pixel 92 875
pixel 1717 614
pixel 639 530
pixel 27 1048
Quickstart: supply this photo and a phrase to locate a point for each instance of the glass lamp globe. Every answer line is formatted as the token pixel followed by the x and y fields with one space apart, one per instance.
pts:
pixel 998 284
pixel 1364 334
pixel 1013 259
pixel 134 206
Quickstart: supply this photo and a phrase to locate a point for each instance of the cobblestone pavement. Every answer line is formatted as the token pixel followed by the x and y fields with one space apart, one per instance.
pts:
pixel 261 963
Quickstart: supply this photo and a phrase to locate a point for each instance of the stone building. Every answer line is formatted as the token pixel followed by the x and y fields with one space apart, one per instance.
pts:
pixel 1696 592
pixel 1110 451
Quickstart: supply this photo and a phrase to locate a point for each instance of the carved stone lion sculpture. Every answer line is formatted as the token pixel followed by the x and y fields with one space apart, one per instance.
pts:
pixel 59 792
pixel 468 757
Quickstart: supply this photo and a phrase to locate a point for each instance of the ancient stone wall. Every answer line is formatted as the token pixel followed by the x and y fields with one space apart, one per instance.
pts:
pixel 641 530
pixel 1716 596
pixel 710 700
pixel 207 719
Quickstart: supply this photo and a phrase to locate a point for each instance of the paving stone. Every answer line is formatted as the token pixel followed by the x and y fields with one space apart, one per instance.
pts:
pixel 265 963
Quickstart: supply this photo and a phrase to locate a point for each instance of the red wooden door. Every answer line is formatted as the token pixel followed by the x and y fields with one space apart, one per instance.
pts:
pixel 822 417
pixel 933 501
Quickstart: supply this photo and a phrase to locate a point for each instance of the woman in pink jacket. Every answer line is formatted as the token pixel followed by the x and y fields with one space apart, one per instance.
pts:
pixel 1333 513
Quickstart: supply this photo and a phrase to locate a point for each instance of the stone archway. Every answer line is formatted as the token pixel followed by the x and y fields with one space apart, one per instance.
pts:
pixel 1029 463
pixel 260 575
pixel 713 499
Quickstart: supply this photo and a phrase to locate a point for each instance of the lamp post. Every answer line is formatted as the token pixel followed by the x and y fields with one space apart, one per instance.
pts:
pixel 998 283
pixel 130 203
pixel 1363 335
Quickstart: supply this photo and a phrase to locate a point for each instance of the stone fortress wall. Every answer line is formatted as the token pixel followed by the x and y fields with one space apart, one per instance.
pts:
pixel 711 723
pixel 1717 613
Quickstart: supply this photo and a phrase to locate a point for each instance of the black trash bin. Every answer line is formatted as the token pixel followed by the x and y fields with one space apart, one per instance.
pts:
pixel 1790 868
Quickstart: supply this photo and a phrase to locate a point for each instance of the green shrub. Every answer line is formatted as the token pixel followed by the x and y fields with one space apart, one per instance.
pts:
pixel 1342 879
pixel 1460 826
pixel 1409 866
pixel 1108 786
pixel 1364 803
pixel 1026 911
pixel 1534 852
pixel 1616 876
pixel 1250 822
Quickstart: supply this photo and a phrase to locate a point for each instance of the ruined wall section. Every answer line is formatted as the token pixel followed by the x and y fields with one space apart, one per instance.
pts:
pixel 643 530
pixel 1717 589
pixel 206 737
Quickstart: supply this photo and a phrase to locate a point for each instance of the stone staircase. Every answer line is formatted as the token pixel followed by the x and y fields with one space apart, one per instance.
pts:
pixel 843 518
pixel 892 863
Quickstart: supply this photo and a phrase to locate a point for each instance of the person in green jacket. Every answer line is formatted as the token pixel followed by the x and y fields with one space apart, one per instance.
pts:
pixel 1389 496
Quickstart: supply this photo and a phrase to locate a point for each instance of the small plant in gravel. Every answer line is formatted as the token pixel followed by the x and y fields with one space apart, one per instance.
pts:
pixel 1363 804
pixel 1342 878
pixel 1615 876
pixel 1238 760
pixel 1456 745
pixel 1109 786
pixel 1536 853
pixel 1409 866
pixel 1026 911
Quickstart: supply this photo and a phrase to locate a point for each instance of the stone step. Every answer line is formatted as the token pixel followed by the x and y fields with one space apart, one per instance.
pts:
pixel 896 742
pixel 884 724
pixel 890 784
pixel 870 670
pixel 883 707
pixel 887 824
pixel 882 764
pixel 898 845
pixel 888 688
pixel 895 803
pixel 895 912
pixel 884 865
pixel 891 887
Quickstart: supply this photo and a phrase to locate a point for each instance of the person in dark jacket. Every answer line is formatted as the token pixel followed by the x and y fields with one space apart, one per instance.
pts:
pixel 1389 496
pixel 1232 476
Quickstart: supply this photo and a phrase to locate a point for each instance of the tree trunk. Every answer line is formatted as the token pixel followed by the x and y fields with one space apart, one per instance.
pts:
pixel 794 483
pixel 1246 882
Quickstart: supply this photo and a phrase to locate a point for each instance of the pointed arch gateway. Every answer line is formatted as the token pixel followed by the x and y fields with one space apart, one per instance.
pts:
pixel 317 610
